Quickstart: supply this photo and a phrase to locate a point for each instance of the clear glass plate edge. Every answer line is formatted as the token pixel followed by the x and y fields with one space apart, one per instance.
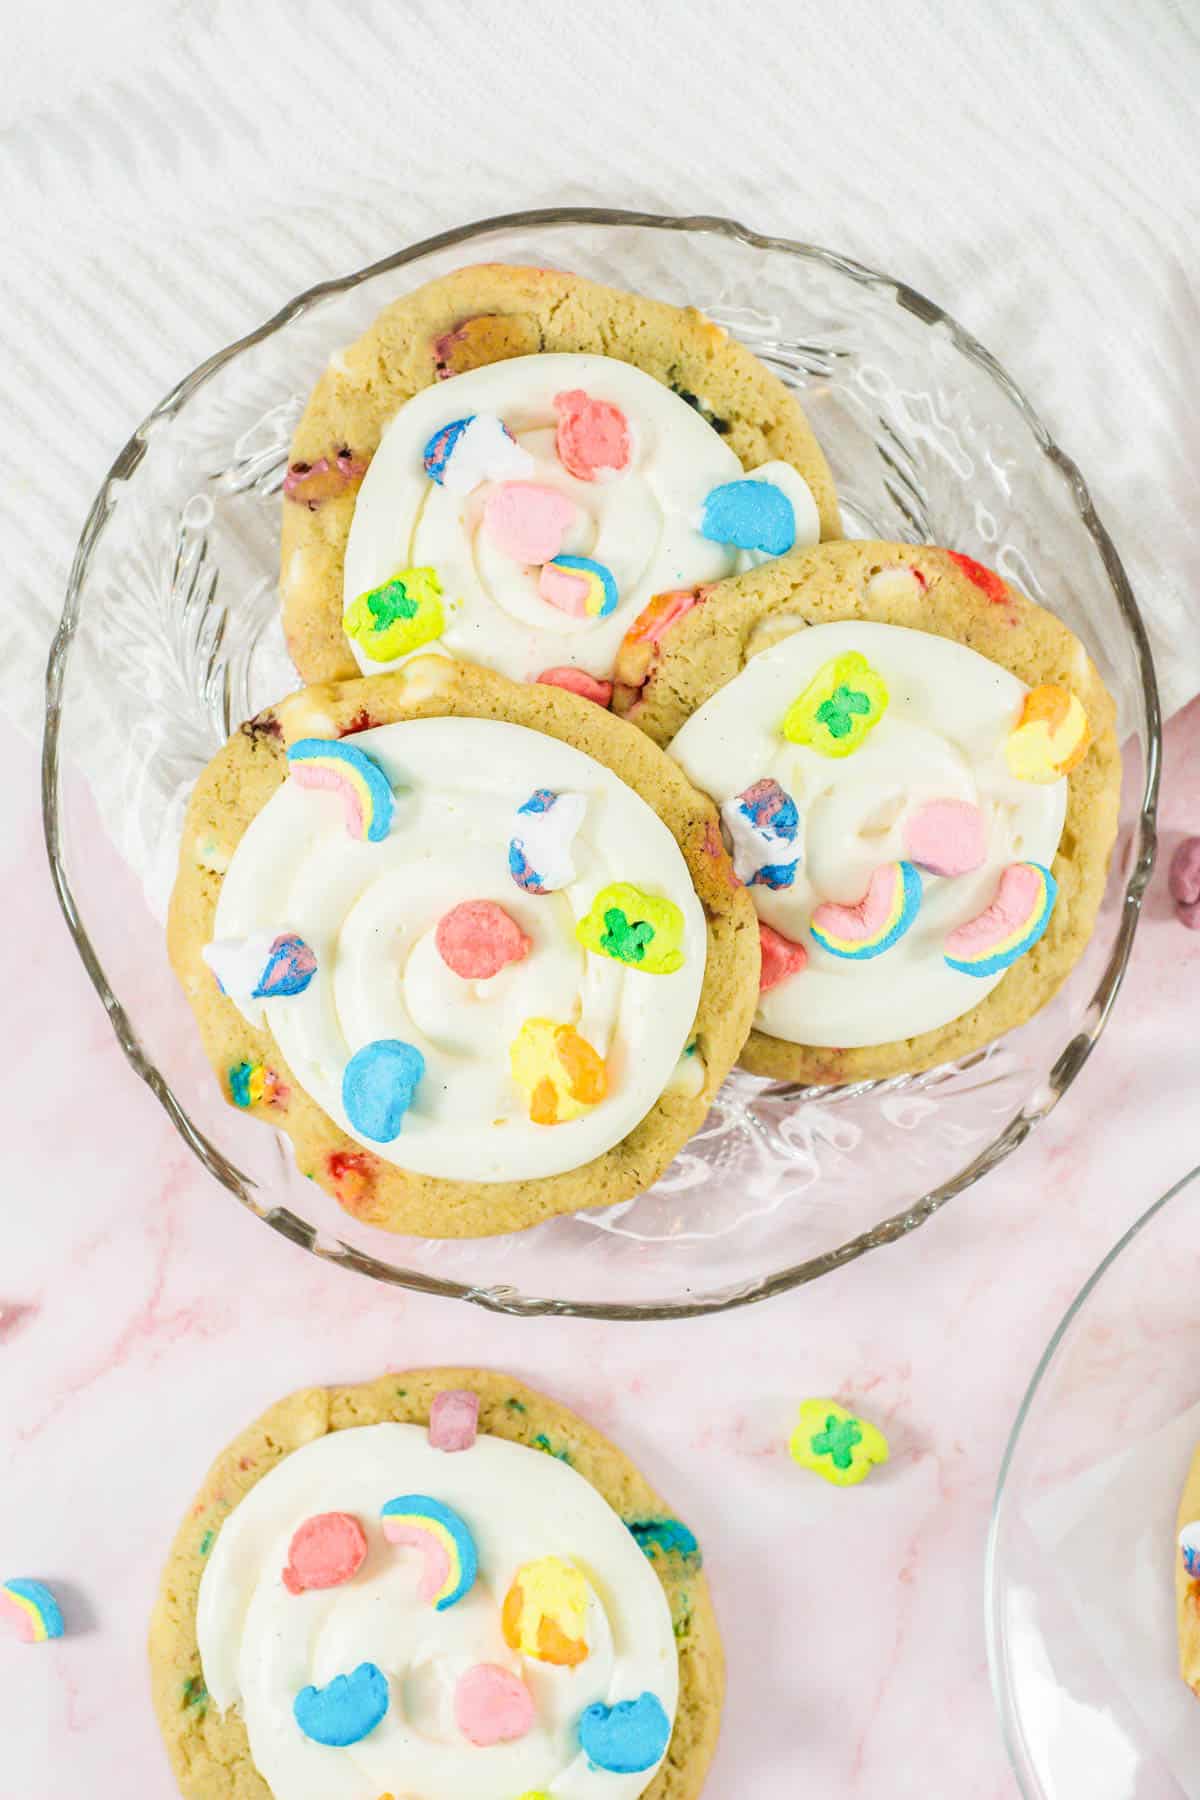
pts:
pixel 994 1633
pixel 506 1300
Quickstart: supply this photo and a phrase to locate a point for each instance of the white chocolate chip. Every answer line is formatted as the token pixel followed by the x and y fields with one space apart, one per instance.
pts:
pixel 773 630
pixel 898 584
pixel 426 676
pixel 295 577
pixel 300 717
pixel 210 855
pixel 689 1075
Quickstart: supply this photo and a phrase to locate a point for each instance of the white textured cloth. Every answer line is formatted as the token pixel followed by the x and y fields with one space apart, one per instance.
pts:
pixel 168 169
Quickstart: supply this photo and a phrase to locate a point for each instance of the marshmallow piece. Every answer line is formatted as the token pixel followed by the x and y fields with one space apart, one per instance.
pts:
pixel 1184 882
pixel 326 1551
pixel 946 837
pixel 781 957
pixel 454 1419
pixel 472 450
pixel 477 939
pixel 527 520
pixel 593 437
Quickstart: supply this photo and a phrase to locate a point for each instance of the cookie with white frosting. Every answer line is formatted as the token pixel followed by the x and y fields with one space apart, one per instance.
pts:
pixel 438 1583
pixel 509 465
pixel 475 947
pixel 918 773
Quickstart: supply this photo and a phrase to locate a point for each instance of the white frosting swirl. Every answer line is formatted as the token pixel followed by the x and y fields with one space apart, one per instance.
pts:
pixel 260 1645
pixel 942 737
pixel 642 524
pixel 370 912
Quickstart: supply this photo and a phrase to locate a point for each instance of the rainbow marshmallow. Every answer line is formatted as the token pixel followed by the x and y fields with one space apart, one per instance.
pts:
pixel 1011 925
pixel 879 920
pixel 451 1562
pixel 33 1609
pixel 349 772
pixel 579 586
pixel 247 1083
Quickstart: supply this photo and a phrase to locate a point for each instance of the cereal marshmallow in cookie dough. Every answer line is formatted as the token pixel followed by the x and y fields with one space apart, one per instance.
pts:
pixel 526 479
pixel 481 957
pixel 1187 1578
pixel 918 777
pixel 373 1610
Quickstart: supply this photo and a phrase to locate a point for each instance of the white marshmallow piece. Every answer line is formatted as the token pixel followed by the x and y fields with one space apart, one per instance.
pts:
pixel 238 964
pixel 547 839
pixel 485 452
pixel 754 846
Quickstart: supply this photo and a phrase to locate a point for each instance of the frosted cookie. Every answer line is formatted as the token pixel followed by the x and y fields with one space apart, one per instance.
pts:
pixel 476 947
pixel 511 462
pixel 352 1609
pixel 918 775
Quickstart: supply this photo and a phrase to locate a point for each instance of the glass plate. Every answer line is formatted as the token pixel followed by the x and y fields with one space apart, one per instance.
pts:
pixel 1079 1595
pixel 170 637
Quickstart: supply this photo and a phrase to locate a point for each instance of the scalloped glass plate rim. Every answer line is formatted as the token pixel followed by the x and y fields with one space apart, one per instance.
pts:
pixel 993 1627
pixel 503 1299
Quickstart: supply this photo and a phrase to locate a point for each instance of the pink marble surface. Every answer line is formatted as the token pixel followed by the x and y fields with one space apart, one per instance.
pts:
pixel 146 1319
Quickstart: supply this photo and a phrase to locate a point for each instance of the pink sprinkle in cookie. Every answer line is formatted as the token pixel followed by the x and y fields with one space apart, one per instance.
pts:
pixel 308 483
pixel 593 436
pixel 578 681
pixel 1184 882
pixel 483 338
pixel 527 521
pixel 478 938
pixel 642 643
pixel 946 837
pixel 454 1419
pixel 985 579
pixel 492 1705
pixel 325 1551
